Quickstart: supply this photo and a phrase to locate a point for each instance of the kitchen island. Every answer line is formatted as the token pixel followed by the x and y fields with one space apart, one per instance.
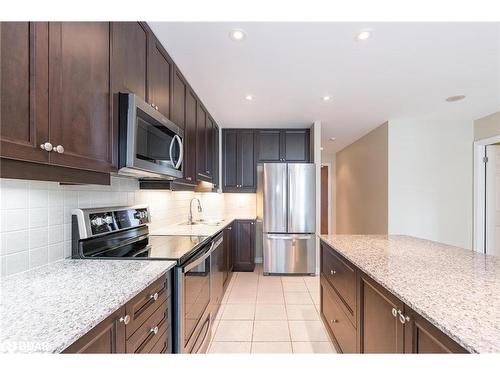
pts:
pixel 453 291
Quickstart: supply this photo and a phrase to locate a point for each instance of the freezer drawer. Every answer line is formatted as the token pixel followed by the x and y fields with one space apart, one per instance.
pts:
pixel 289 254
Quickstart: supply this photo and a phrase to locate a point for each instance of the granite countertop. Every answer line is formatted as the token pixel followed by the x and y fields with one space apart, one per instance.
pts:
pixel 457 290
pixel 48 308
pixel 198 229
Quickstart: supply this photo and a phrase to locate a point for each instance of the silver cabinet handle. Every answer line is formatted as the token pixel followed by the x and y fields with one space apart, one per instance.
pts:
pixel 125 319
pixel 47 146
pixel 59 149
pixel 156 107
pixel 152 105
pixel 333 321
pixel 154 330
pixel 154 296
pixel 403 319
pixel 394 312
pixel 188 178
pixel 333 272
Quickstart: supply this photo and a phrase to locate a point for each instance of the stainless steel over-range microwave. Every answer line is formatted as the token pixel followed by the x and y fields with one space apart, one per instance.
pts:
pixel 150 145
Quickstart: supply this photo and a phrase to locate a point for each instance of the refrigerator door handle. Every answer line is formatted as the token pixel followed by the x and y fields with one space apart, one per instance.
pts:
pixel 289 237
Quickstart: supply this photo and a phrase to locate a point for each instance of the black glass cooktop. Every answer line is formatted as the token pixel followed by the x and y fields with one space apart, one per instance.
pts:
pixel 178 248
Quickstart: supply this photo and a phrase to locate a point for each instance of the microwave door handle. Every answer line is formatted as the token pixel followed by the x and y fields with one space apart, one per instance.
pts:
pixel 178 139
pixel 181 151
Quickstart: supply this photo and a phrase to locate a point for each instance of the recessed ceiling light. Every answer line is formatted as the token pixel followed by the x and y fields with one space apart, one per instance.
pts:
pixel 455 98
pixel 363 35
pixel 237 35
pixel 326 98
pixel 332 139
pixel 249 97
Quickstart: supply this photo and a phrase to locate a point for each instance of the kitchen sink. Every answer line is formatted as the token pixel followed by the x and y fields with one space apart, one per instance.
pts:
pixel 210 222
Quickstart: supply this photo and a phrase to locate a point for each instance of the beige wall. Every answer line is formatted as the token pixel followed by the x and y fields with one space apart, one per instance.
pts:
pixel 362 185
pixel 487 127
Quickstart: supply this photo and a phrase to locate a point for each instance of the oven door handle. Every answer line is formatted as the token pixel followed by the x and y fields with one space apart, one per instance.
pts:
pixel 181 151
pixel 197 261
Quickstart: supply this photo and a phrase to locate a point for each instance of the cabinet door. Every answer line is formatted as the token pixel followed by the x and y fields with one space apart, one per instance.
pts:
pixel 129 56
pixel 80 117
pixel 201 143
pixel 423 337
pixel 247 175
pixel 216 157
pixel 106 338
pixel 228 254
pixel 268 146
pixel 190 138
pixel 24 90
pixel 210 142
pixel 230 161
pixel 160 75
pixel 295 145
pixel 244 250
pixel 380 329
pixel 179 99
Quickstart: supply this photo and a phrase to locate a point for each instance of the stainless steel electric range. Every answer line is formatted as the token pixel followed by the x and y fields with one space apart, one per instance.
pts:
pixel 123 233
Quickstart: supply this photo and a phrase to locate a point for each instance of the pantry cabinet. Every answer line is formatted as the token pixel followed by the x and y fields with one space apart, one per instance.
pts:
pixel 283 145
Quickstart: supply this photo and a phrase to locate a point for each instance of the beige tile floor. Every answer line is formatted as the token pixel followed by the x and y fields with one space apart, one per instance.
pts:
pixel 270 314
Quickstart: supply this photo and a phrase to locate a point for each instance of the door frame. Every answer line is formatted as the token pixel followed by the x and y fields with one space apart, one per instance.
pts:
pixel 328 165
pixel 479 192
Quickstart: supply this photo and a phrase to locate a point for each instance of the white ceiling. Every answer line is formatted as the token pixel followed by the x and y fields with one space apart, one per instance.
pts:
pixel 405 69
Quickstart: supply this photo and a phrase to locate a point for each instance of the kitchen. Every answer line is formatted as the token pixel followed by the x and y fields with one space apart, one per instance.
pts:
pixel 155 204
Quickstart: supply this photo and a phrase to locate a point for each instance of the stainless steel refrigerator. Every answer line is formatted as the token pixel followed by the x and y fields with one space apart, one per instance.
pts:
pixel 286 217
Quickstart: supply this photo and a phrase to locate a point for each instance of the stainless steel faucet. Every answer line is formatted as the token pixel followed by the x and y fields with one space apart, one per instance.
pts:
pixel 190 217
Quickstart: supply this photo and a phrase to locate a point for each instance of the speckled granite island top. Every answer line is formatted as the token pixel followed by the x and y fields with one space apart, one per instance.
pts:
pixel 49 308
pixel 457 290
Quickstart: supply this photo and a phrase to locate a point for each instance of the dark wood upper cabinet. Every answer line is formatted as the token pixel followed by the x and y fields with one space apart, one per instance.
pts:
pixel 283 145
pixel 108 337
pixel 238 167
pixel 161 68
pixel 80 105
pixel 179 99
pixel 202 134
pixel 269 146
pixel 190 138
pixel 244 249
pixel 295 145
pixel 210 148
pixel 24 90
pixel 130 57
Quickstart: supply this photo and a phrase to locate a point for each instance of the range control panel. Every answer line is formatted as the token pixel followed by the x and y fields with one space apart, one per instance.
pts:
pixel 99 221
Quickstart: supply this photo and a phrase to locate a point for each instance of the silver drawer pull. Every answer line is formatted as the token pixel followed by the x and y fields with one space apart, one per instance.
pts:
pixel 333 321
pixel 394 312
pixel 154 296
pixel 333 272
pixel 154 330
pixel 59 149
pixel 125 319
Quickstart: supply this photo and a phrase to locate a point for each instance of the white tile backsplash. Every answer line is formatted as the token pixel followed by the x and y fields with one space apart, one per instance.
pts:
pixel 36 215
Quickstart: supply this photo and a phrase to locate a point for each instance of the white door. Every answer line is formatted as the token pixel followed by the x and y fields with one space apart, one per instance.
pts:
pixel 492 194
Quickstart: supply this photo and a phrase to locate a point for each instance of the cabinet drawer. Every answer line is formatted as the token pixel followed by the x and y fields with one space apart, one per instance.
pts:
pixel 341 327
pixel 145 303
pixel 164 343
pixel 144 338
pixel 341 276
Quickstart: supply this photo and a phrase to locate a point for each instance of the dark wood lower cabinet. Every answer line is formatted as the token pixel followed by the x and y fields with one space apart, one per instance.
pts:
pixel 228 254
pixel 380 330
pixel 382 324
pixel 142 325
pixel 108 337
pixel 244 246
pixel 421 337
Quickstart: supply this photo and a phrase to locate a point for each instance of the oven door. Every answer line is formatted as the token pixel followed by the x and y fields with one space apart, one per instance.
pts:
pixel 151 145
pixel 194 301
